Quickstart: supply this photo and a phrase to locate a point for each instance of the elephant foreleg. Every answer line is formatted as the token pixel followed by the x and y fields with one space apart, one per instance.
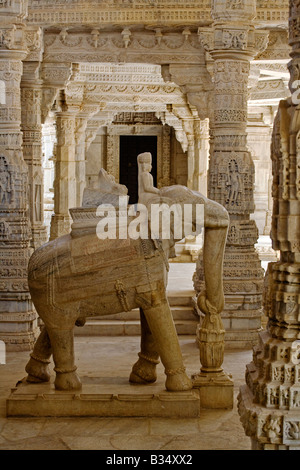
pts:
pixel 37 367
pixel 62 341
pixel 144 370
pixel 161 324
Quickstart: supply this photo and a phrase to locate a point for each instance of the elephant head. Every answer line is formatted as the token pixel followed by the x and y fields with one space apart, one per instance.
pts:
pixel 214 219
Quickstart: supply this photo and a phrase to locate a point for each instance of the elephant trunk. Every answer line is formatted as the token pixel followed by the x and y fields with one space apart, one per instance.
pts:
pixel 211 301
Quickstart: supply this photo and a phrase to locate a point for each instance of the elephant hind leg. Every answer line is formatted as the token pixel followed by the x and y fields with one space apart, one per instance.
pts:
pixel 37 367
pixel 144 370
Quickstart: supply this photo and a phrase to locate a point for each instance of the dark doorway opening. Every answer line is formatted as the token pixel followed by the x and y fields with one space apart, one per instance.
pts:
pixel 130 147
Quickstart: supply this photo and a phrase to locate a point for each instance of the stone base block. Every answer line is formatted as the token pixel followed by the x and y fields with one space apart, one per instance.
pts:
pixel 102 398
pixel 216 390
pixel 269 428
pixel 241 339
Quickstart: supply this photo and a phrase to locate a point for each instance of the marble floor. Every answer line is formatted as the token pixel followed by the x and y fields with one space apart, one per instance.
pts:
pixel 113 357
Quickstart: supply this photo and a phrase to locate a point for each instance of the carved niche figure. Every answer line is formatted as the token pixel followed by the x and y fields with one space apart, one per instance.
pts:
pixel 72 278
pixel 234 183
pixel 5 186
pixel 231 178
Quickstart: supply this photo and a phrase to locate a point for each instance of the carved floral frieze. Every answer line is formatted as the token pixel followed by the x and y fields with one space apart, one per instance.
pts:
pixel 123 46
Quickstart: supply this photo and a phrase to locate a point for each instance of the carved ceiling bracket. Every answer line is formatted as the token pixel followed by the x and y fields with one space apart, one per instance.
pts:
pixel 197 85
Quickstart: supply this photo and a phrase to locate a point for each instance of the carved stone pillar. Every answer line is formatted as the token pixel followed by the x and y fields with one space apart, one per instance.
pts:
pixel 189 117
pixel 31 99
pixel 190 160
pixel 49 152
pixel 232 42
pixel 18 327
pixel 269 403
pixel 80 130
pixel 202 156
pixel 65 170
pixel 113 158
pixel 82 136
pixel 164 158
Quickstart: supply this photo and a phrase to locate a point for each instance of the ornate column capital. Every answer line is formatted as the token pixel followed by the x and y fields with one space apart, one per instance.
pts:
pixel 26 42
pixel 232 41
pixel 14 11
pixel 56 75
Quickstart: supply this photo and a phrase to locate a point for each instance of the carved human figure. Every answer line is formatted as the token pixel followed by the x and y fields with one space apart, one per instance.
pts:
pixel 4 186
pixel 2 230
pixel 145 180
pixel 234 183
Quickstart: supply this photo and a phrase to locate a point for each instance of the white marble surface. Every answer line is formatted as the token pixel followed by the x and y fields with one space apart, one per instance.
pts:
pixel 113 357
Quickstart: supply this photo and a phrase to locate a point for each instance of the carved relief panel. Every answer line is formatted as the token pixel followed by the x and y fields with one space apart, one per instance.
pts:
pixel 6 184
pixel 231 181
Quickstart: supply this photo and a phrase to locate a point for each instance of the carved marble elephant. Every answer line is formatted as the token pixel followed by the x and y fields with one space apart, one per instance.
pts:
pixel 73 278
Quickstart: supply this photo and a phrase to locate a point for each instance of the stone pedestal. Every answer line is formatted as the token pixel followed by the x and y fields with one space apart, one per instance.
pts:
pixel 102 397
pixel 216 390
pixel 215 387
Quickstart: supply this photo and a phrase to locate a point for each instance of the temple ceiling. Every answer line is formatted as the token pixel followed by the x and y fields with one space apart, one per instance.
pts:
pixel 147 55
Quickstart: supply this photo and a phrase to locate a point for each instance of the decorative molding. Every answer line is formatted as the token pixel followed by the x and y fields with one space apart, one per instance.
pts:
pixel 157 13
pixel 143 47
